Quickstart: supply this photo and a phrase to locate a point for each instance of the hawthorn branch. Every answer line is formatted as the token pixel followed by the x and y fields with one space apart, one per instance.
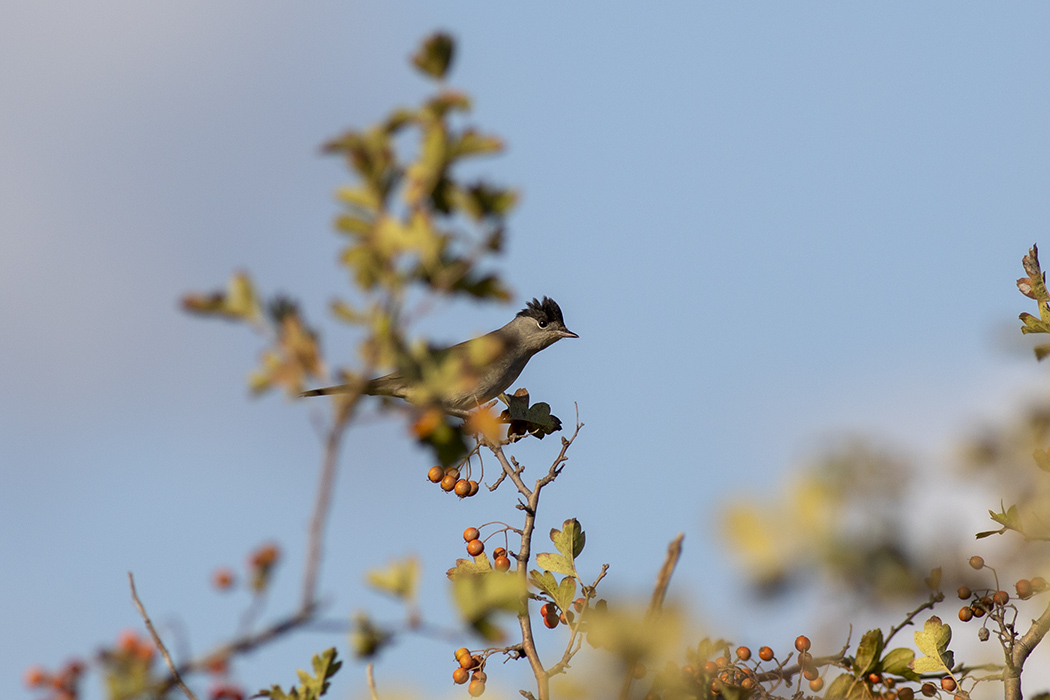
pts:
pixel 928 605
pixel 177 679
pixel 576 639
pixel 1022 648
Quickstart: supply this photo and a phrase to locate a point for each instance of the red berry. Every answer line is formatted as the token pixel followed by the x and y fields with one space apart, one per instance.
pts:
pixel 721 662
pixel 765 653
pixel 816 685
pixel 35 676
pixel 1024 589
pixel 502 564
pixel 802 643
pixel 499 552
pixel 743 653
pixel 948 683
pixel 551 622
pixel 965 613
pixel 811 674
pixel 471 533
pixel 222 579
pixel 475 547
pixel 1000 598
pixel 710 668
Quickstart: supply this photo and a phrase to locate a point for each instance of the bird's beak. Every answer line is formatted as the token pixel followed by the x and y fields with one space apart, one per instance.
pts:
pixel 568 334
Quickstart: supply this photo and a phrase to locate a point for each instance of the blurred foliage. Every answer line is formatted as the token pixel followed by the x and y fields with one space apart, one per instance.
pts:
pixel 311 686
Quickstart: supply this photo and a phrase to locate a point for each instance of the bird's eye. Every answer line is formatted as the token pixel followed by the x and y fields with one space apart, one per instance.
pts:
pixel 543 324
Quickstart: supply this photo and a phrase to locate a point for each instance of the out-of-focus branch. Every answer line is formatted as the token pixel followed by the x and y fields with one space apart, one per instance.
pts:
pixel 156 640
pixel 656 603
pixel 329 467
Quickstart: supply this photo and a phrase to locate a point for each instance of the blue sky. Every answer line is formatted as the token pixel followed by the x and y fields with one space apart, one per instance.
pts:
pixel 768 223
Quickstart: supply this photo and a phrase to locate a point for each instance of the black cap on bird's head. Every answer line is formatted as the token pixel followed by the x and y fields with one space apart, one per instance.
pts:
pixel 547 314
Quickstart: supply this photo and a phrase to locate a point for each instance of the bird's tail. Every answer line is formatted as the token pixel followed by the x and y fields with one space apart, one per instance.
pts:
pixel 375 387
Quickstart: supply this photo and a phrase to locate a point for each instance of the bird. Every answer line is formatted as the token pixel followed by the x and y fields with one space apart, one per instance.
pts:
pixel 472 373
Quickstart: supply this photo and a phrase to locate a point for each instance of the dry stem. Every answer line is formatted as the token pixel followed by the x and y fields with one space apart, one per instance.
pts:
pixel 156 640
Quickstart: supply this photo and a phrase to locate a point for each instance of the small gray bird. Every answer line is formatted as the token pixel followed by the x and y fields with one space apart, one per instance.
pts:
pixel 471 373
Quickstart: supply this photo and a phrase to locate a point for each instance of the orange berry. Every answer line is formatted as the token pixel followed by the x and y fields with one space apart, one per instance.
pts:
pixel 145 651
pixel 978 610
pixel 466 661
pixel 964 592
pixel 550 622
pixel 721 662
pixel 816 685
pixel 265 556
pixel 743 653
pixel 977 563
pixel 1038 584
pixel 128 641
pixel 567 617
pixel 905 694
pixel 965 613
pixel 765 653
pixel 462 488
pixel 461 652
pixel 448 482
pixel 811 674
pixel 222 579
pixel 460 676
pixel 436 474
pixel 499 552
pixel 802 643
pixel 35 676
pixel 474 488
pixel 579 603
pixel 217 665
pixel 479 676
pixel 748 683
pixel 874 678
pixel 929 690
pixel 476 688
pixel 948 683
pixel 475 547
pixel 1024 589
pixel 471 533
pixel 502 564
pixel 1001 598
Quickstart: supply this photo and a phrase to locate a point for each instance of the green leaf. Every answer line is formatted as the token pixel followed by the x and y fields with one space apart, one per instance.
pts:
pixel 471 143
pixel 399 579
pixel 897 661
pixel 435 55
pixel 480 596
pixel 556 563
pixel 545 581
pixel 566 593
pixel 1033 324
pixel 1042 458
pixel 1009 518
pixel 313 686
pixel 868 651
pixel 570 539
pixel 840 687
pixel 932 640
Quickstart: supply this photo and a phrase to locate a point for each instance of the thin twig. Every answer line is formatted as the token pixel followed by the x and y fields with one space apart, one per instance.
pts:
pixel 576 639
pixel 372 681
pixel 663 579
pixel 928 605
pixel 315 546
pixel 156 640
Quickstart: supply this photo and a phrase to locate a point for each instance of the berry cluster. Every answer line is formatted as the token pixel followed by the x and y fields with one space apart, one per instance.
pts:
pixel 471 667
pixel 475 547
pixel 449 480
pixel 62 684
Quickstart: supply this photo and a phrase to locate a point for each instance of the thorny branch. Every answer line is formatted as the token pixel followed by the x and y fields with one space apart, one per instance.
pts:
pixel 529 504
pixel 928 605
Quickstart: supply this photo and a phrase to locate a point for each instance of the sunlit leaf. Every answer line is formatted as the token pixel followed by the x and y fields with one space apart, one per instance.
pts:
pixel 435 55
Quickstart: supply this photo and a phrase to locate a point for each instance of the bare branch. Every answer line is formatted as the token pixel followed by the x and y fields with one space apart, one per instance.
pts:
pixel 156 640
pixel 1022 648
pixel 315 546
pixel 928 605
pixel 372 681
